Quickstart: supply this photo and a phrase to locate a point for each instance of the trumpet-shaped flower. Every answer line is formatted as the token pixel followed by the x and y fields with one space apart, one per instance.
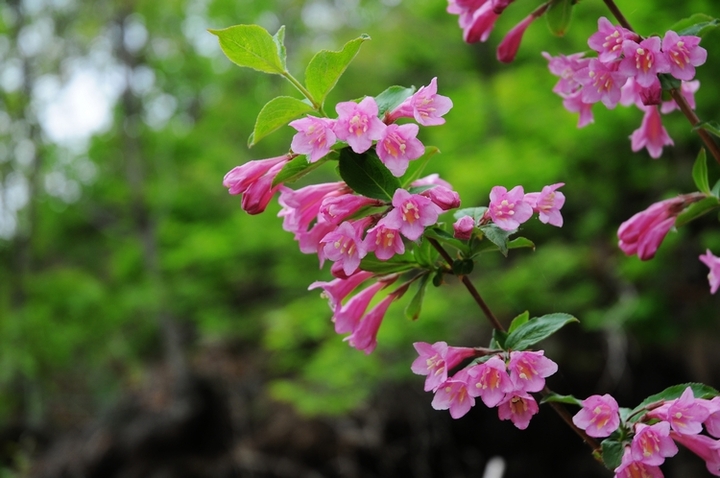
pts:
pixel 629 468
pixel 652 444
pixel 489 381
pixel 519 408
pixel 508 209
pixel 686 414
pixel 599 416
pixel 608 40
pixel 601 82
pixel 344 245
pixel 337 289
pixel 651 134
pixel 508 47
pixel 704 447
pixel 453 395
pixel 684 53
pixel 713 262
pixel 315 137
pixel 398 146
pixel 411 214
pixel 384 241
pixel 426 106
pixel 547 203
pixel 643 233
pixel 347 317
pixel 437 360
pixel 643 60
pixel 334 209
pixel 364 336
pixel 528 370
pixel 358 124
pixel 463 227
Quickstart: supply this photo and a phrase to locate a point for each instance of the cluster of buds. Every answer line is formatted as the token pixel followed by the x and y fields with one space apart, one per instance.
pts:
pixel 626 71
pixel 501 379
pixel 652 438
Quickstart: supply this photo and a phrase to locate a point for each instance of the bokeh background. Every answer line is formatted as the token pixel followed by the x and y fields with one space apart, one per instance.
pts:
pixel 149 327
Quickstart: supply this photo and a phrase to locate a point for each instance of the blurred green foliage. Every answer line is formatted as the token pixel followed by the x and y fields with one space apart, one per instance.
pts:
pixel 84 279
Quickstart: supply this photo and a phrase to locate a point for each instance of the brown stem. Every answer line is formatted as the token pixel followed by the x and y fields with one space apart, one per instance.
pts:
pixel 618 14
pixel 694 120
pixel 558 407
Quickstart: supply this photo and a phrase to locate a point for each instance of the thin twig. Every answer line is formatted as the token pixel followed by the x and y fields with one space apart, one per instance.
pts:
pixel 694 120
pixel 618 14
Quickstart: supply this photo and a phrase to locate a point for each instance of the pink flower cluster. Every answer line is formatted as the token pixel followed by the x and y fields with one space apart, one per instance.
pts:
pixel 359 126
pixel 509 209
pixel 669 422
pixel 626 71
pixel 505 380
pixel 477 19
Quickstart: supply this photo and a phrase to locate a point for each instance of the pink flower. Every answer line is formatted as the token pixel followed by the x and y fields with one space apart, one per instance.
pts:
pixel 518 407
pixel 643 233
pixel 500 5
pixel 528 370
pixel 687 89
pixel 712 424
pixel 254 181
pixel 713 262
pixel 398 146
pixel 300 207
pixel 384 241
pixel 652 444
pixel 463 228
pixel 411 214
pixel 443 197
pixel 344 245
pixel 358 124
pixel 634 94
pixel 608 40
pixel 436 360
pixel 651 134
pixel 643 60
pixel 453 395
pixel 426 106
pixel 364 336
pixel 509 45
pixel 634 469
pixel 574 104
pixel 686 414
pixel 684 54
pixel 489 381
pixel 565 68
pixel 479 26
pixel 315 137
pixel 601 82
pixel 258 195
pixel 599 416
pixel 508 209
pixel 309 241
pixel 334 209
pixel 704 447
pixel 337 289
pixel 431 180
pixel 547 203
pixel 347 317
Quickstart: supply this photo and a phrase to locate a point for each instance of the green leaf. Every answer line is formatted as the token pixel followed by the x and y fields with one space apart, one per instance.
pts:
pixel 698 24
pixel 367 175
pixel 497 236
pixel 396 263
pixel 425 253
pixel 279 39
pixel 498 339
pixel 518 321
pixel 711 127
pixel 437 279
pixel 537 329
pixel 476 212
pixel 277 113
pixel 391 98
pixel 521 242
pixel 412 311
pixel 669 82
pixel 326 68
pixel 696 210
pixel 700 390
pixel 251 46
pixel 462 267
pixel 716 189
pixel 566 399
pixel 447 239
pixel 558 16
pixel 612 452
pixel 299 167
pixel 417 166
pixel 700 173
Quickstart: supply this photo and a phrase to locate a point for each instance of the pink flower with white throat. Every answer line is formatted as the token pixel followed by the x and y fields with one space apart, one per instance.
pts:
pixel 519 408
pixel 547 203
pixel 713 262
pixel 508 209
pixel 489 381
pixel 426 106
pixel 652 443
pixel 315 137
pixel 643 60
pixel 384 241
pixel 398 146
pixel 358 124
pixel 686 414
pixel 608 40
pixel 651 134
pixel 344 245
pixel 599 416
pixel 684 54
pixel 528 370
pixel 601 82
pixel 412 213
pixel 436 360
pixel 453 395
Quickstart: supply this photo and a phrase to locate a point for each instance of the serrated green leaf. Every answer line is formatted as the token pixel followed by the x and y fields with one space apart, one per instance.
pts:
pixel 537 329
pixel 299 167
pixel 412 311
pixel 367 175
pixel 277 113
pixel 391 98
pixel 698 24
pixel 696 210
pixel 396 263
pixel 700 390
pixel 566 399
pixel 497 236
pixel 612 452
pixel 476 212
pixel 462 267
pixel 558 16
pixel 326 68
pixel 700 173
pixel 251 46
pixel 518 321
pixel 417 166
